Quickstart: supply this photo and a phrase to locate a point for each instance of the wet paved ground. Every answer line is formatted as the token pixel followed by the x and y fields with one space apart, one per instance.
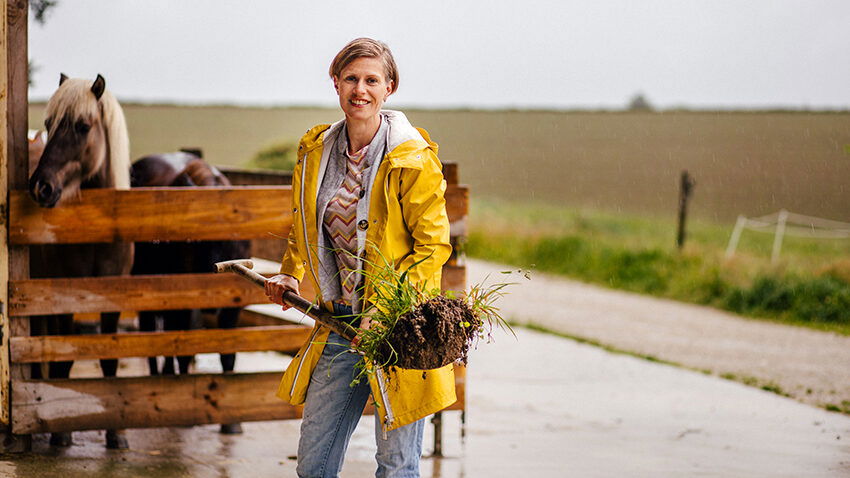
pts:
pixel 809 365
pixel 538 406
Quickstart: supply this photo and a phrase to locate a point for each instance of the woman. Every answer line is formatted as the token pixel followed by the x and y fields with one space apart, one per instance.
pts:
pixel 367 186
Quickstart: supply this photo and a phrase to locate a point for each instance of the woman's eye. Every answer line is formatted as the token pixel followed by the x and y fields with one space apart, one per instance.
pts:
pixel 372 81
pixel 350 78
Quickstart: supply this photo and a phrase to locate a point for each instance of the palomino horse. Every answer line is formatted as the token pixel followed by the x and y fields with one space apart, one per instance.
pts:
pixel 87 147
pixel 187 170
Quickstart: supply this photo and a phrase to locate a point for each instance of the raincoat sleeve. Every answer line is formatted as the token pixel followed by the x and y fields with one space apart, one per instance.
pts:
pixel 292 263
pixel 423 205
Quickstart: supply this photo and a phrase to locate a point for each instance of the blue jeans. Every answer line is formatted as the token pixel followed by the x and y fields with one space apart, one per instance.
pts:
pixel 331 413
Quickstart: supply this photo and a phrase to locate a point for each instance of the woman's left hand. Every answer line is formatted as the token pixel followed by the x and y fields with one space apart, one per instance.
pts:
pixel 365 324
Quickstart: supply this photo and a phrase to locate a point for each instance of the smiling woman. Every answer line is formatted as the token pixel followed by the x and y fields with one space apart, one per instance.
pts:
pixel 340 230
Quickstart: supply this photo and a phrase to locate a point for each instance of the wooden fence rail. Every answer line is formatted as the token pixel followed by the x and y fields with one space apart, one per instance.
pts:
pixel 160 292
pixel 169 214
pixel 53 348
pixel 40 406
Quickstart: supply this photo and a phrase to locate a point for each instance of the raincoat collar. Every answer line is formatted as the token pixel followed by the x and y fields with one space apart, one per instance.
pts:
pixel 404 139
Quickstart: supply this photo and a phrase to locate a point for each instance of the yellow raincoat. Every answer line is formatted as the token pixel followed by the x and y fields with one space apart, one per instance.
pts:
pixel 408 223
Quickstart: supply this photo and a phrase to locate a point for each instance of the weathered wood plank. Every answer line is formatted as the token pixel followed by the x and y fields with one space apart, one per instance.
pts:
pixel 149 214
pixel 145 402
pixel 454 278
pixel 166 292
pixel 168 214
pixel 53 348
pixel 105 294
pixel 15 167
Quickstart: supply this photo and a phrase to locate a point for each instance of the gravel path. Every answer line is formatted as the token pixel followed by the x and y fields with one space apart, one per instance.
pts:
pixel 808 365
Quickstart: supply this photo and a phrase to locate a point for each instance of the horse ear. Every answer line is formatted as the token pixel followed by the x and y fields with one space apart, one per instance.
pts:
pixel 98 86
pixel 62 78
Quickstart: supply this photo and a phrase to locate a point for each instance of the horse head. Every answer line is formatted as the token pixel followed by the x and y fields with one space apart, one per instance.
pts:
pixel 85 133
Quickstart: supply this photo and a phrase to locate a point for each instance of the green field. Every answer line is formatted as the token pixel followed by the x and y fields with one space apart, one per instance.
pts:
pixel 744 163
pixel 809 285
pixel 593 195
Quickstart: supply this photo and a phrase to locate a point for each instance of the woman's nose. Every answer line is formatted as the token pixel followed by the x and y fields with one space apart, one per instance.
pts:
pixel 360 87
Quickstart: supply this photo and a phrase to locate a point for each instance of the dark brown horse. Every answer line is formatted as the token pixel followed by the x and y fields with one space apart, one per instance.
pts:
pixel 186 170
pixel 87 147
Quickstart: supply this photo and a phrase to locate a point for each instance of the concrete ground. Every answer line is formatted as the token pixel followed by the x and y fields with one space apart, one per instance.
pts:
pixel 538 406
pixel 808 365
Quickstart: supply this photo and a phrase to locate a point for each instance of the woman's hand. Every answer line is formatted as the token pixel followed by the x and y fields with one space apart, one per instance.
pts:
pixel 276 286
pixel 365 323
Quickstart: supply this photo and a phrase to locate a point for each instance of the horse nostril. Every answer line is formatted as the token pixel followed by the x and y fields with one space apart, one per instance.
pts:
pixel 44 190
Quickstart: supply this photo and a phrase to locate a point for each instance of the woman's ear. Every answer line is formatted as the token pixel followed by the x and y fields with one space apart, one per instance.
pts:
pixel 336 84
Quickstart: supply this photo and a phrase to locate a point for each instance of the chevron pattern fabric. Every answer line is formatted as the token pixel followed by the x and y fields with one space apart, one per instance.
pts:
pixel 340 223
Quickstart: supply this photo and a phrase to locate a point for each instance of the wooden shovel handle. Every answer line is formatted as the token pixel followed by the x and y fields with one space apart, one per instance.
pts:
pixel 315 312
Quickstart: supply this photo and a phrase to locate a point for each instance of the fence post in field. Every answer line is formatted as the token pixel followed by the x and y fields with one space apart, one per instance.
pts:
pixel 686 186
pixel 736 236
pixel 780 232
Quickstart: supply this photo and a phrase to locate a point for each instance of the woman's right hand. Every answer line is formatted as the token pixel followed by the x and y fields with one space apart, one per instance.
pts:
pixel 277 285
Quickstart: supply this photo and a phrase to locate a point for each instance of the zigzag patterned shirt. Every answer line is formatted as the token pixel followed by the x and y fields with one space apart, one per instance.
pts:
pixel 340 223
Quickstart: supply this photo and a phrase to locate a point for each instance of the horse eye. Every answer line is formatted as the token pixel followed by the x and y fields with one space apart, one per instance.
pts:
pixel 82 128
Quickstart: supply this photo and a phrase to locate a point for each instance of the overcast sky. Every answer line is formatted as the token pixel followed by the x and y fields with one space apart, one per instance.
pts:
pixel 462 53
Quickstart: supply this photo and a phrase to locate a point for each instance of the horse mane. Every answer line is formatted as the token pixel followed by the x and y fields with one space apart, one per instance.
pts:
pixel 75 99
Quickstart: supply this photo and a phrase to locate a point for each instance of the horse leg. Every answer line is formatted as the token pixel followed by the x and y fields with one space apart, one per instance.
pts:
pixel 176 320
pixel 184 322
pixel 227 319
pixel 115 439
pixel 60 325
pixel 147 323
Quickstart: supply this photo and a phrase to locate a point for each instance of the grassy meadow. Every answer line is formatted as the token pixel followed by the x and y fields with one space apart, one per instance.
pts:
pixel 593 195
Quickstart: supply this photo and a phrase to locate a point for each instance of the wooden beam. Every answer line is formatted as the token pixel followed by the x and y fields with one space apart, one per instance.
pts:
pixel 168 214
pixel 143 402
pixel 16 168
pixel 450 173
pixel 4 221
pixel 166 292
pixel 454 278
pixel 157 401
pixel 148 214
pixel 112 294
pixel 54 348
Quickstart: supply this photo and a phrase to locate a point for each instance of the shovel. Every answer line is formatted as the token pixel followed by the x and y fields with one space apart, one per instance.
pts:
pixel 243 267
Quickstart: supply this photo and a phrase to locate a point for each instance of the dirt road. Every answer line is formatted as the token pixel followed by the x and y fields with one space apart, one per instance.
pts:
pixel 808 365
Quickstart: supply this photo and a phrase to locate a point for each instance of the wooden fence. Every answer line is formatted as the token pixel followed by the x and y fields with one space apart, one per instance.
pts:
pixel 157 214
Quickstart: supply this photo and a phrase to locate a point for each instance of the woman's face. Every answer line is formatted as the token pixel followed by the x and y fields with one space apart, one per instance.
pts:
pixel 362 88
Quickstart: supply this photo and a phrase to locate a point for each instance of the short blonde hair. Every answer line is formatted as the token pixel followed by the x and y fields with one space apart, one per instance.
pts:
pixel 366 48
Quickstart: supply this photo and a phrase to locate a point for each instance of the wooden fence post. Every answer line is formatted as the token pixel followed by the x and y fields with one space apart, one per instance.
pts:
pixel 686 186
pixel 15 171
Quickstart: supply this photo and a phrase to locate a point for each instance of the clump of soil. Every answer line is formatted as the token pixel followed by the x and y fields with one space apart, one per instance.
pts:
pixel 433 334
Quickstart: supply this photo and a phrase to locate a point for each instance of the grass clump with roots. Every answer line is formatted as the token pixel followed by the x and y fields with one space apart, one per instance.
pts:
pixel 414 327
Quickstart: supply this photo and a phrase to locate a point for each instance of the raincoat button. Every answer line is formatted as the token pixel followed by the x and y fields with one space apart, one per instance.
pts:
pixel 304 263
pixel 363 225
pixel 295 209
pixel 362 193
